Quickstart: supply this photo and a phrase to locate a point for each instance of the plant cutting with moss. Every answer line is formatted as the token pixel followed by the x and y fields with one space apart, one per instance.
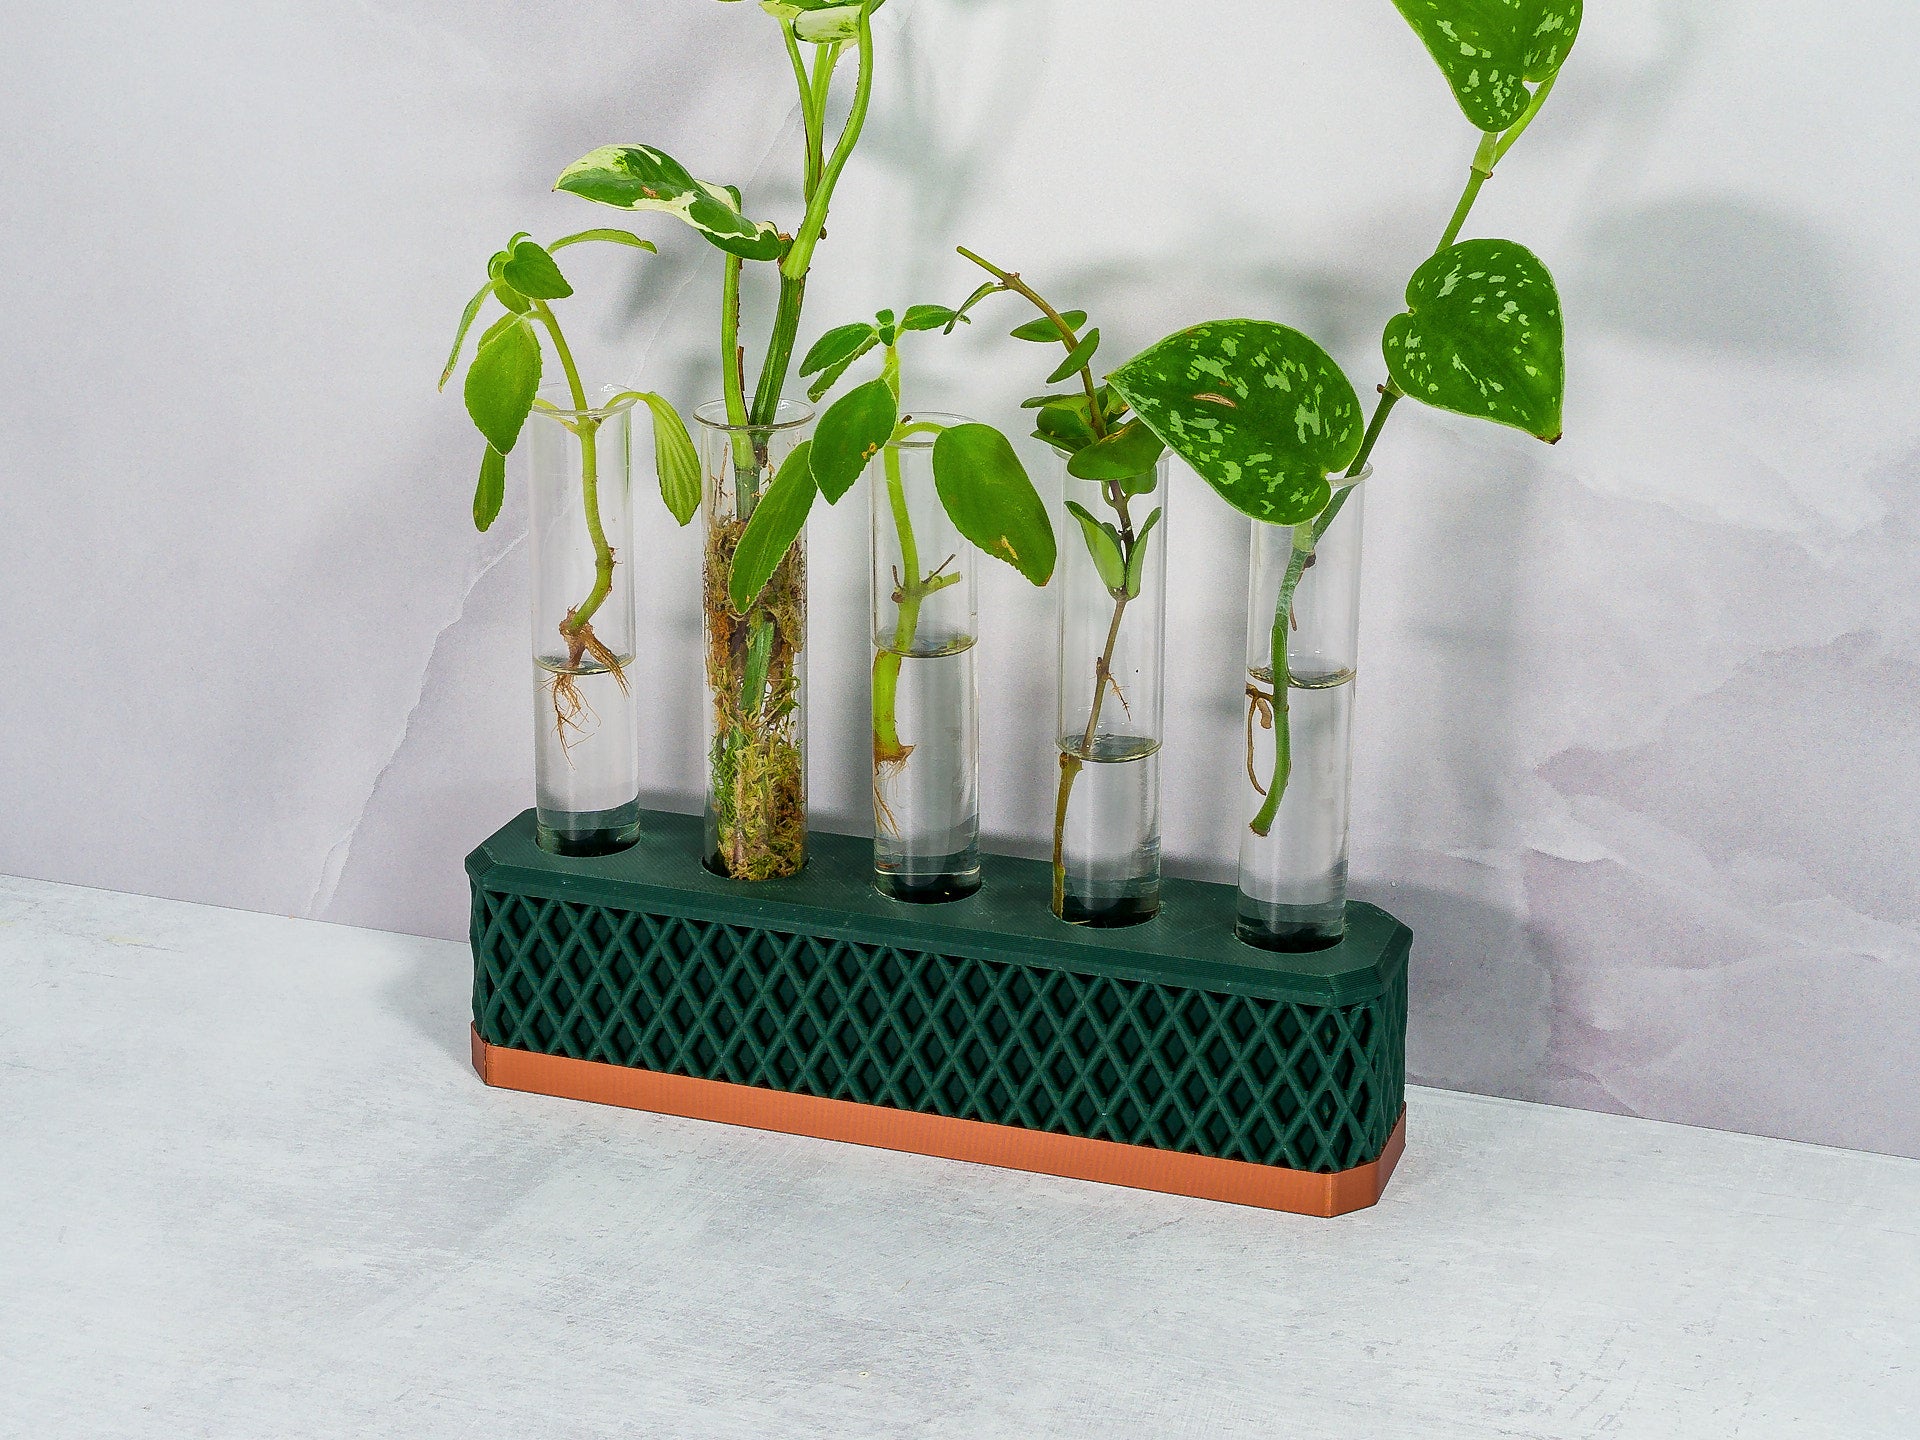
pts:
pixel 1091 428
pixel 1265 416
pixel 756 772
pixel 502 389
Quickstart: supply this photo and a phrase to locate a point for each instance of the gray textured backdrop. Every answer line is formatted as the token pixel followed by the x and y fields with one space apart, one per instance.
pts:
pixel 1639 752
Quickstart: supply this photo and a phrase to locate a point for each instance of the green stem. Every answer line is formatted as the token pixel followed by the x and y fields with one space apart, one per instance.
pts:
pixel 1304 537
pixel 800 254
pixel 1480 172
pixel 809 111
pixel 576 623
pixel 1010 280
pixel 786 326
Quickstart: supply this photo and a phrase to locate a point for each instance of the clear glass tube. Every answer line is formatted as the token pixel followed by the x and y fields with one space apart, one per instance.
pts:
pixel 756 729
pixel 926 745
pixel 1293 852
pixel 586 751
pixel 1106 839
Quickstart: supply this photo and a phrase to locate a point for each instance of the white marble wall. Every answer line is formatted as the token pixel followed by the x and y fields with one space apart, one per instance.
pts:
pixel 1640 747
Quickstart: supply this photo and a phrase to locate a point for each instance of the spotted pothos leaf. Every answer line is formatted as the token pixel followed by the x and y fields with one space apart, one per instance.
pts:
pixel 1489 49
pixel 1259 410
pixel 639 177
pixel 1482 336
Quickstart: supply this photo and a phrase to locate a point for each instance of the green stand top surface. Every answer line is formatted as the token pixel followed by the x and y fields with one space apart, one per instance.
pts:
pixel 1189 943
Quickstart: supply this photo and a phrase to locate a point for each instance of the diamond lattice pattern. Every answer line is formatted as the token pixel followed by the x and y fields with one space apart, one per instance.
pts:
pixel 1232 1076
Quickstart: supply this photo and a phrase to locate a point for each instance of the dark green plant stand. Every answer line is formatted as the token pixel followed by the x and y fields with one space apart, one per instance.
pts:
pixel 1168 1055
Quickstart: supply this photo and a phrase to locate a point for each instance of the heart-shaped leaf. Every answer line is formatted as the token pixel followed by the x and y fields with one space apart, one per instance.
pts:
pixel 1131 450
pixel 638 177
pixel 1103 543
pixel 1137 561
pixel 1482 337
pixel 776 521
pixel 530 270
pixel 502 381
pixel 850 434
pixel 1259 410
pixel 491 491
pixel 1044 331
pixel 1488 49
pixel 986 493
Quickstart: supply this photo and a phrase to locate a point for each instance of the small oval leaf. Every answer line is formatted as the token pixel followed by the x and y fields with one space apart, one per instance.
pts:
pixel 1131 450
pixel 1103 543
pixel 1045 332
pixel 1483 337
pixel 776 522
pixel 986 493
pixel 1077 357
pixel 1259 410
pixel 1137 561
pixel 850 434
pixel 489 494
pixel 502 381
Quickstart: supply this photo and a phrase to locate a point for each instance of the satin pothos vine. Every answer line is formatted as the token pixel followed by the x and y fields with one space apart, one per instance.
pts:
pixel 1266 417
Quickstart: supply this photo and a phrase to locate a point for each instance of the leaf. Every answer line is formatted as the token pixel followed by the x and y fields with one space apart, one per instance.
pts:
pixel 1077 357
pixel 460 335
pixel 885 327
pixel 491 492
pixel 611 236
pixel 502 380
pixel 638 177
pixel 838 344
pixel 675 461
pixel 511 298
pixel 989 287
pixel 776 522
pixel 1122 454
pixel 1482 337
pixel 819 22
pixel 1045 331
pixel 1064 425
pixel 1103 543
pixel 1258 409
pixel 986 493
pixel 1137 561
pixel 850 434
pixel 929 317
pixel 1488 49
pixel 530 270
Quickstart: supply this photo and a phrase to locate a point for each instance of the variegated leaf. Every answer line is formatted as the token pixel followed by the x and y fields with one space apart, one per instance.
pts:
pixel 638 177
pixel 1483 337
pixel 1259 410
pixel 1489 49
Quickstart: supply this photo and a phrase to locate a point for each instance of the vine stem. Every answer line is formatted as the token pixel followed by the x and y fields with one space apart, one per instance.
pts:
pixel 1010 280
pixel 575 626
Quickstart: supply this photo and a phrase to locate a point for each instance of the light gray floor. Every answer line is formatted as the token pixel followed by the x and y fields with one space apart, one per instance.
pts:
pixel 252 1188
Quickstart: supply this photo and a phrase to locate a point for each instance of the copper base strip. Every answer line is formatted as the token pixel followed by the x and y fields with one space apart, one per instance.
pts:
pixel 1010 1146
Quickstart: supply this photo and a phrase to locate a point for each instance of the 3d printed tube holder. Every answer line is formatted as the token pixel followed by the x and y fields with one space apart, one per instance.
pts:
pixel 1168 1056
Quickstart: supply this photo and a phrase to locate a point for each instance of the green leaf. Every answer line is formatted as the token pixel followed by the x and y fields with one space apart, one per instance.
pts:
pixel 989 287
pixel 885 327
pixel 1258 409
pixel 491 492
pixel 611 236
pixel 530 270
pixel 1131 450
pixel 1064 424
pixel 1488 49
pixel 1077 357
pixel 929 317
pixel 850 434
pixel 511 298
pixel 838 344
pixel 502 380
pixel 460 335
pixel 776 522
pixel 638 177
pixel 1483 337
pixel 1103 543
pixel 1137 561
pixel 819 22
pixel 986 493
pixel 675 460
pixel 1044 331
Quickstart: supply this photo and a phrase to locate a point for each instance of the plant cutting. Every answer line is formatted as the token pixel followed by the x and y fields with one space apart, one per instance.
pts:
pixel 1106 855
pixel 755 665
pixel 1264 415
pixel 947 486
pixel 586 770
